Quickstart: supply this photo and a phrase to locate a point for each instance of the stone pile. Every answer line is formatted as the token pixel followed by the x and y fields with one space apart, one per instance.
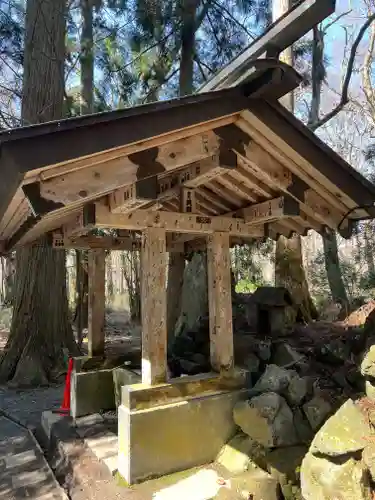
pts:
pixel 305 450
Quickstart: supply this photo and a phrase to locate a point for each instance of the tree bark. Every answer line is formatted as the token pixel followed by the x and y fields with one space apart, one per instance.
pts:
pixel 331 256
pixel 87 107
pixel 87 58
pixel 289 270
pixel 188 30
pixel 332 263
pixel 176 265
pixel 368 249
pixel 176 270
pixel 40 327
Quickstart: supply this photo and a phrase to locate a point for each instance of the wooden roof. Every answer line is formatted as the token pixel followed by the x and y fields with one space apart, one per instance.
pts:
pixel 243 154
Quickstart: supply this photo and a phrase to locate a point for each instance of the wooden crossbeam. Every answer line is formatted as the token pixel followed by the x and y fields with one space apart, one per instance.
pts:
pixel 98 215
pixel 277 208
pixel 274 170
pixel 86 242
pixel 89 241
pixel 103 178
pixel 164 187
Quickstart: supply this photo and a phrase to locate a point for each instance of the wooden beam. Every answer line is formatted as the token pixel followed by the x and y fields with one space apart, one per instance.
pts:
pixel 154 306
pixel 130 198
pixel 77 226
pixel 107 242
pixel 277 208
pixel 280 35
pixel 269 166
pixel 220 302
pixel 163 187
pixel 101 217
pixel 96 302
pixel 315 160
pixel 188 201
pixel 226 191
pixel 216 201
pixel 90 241
pixel 103 178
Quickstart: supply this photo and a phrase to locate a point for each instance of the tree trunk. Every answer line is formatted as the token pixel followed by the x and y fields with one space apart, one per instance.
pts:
pixel 331 256
pixel 176 264
pixel 87 58
pixel 87 105
pixel 189 11
pixel 176 270
pixel 368 249
pixel 289 270
pixel 40 327
pixel 332 263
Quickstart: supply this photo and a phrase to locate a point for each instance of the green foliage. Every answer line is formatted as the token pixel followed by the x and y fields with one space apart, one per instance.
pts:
pixel 247 286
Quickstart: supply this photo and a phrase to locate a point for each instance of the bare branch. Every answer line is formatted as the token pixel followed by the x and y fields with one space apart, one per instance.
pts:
pixel 349 72
pixel 329 25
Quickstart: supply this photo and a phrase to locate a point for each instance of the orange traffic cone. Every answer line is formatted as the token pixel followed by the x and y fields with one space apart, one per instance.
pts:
pixel 65 405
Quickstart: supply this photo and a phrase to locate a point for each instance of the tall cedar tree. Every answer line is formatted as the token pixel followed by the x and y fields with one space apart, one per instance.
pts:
pixel 40 327
pixel 289 270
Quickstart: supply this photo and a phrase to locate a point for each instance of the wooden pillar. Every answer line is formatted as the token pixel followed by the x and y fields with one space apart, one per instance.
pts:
pixel 220 302
pixel 154 306
pixel 96 302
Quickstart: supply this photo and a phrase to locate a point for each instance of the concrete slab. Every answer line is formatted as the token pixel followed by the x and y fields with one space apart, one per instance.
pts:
pixel 168 438
pixel 48 420
pixel 91 392
pixel 19 459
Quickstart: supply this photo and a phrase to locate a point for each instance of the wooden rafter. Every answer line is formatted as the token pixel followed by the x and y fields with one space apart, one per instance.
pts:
pixel 164 187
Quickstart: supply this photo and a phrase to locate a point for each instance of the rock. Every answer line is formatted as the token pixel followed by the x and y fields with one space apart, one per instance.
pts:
pixel 284 464
pixel 267 419
pixel 254 485
pixel 322 479
pixel 368 363
pixel 251 363
pixel 190 367
pixel 304 432
pixel 355 379
pixel 297 389
pixel 316 411
pixel 286 356
pixel 334 352
pixel 241 454
pixel 274 379
pixel 370 390
pixel 194 295
pixel 339 378
pixel 263 350
pixel 345 432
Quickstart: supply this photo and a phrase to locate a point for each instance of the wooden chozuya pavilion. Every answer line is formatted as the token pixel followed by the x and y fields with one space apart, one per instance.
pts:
pixel 216 169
